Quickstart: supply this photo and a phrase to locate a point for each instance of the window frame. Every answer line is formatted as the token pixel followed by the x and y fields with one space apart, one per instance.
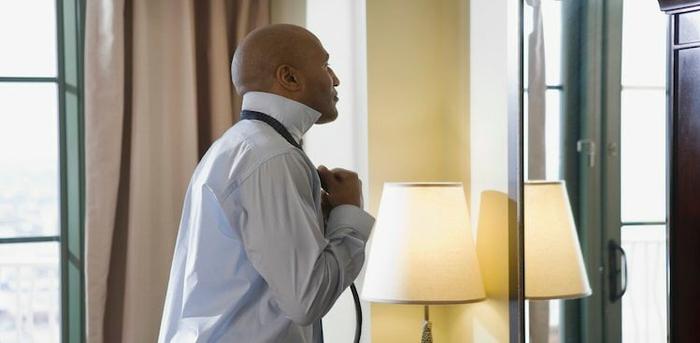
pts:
pixel 593 77
pixel 592 46
pixel 71 19
pixel 69 81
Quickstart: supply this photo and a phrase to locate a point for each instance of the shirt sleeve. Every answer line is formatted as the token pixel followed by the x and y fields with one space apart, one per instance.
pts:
pixel 282 233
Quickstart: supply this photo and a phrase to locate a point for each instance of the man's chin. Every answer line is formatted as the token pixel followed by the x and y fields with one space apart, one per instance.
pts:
pixel 327 118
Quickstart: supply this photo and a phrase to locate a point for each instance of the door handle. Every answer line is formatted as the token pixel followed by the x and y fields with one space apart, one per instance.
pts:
pixel 587 147
pixel 613 250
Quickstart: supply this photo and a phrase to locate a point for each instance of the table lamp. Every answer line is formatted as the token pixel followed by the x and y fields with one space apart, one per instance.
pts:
pixel 422 250
pixel 554 266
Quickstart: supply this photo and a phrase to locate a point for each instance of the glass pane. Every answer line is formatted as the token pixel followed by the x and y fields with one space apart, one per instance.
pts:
pixel 553 134
pixel 555 316
pixel 527 29
pixel 551 21
pixel 29 293
pixel 643 156
pixel 29 182
pixel 551 17
pixel 644 304
pixel 643 44
pixel 28 38
pixel 526 135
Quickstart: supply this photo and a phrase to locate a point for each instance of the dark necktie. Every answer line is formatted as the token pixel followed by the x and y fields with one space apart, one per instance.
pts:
pixel 276 125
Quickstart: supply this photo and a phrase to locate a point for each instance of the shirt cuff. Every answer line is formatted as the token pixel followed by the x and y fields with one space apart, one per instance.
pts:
pixel 350 216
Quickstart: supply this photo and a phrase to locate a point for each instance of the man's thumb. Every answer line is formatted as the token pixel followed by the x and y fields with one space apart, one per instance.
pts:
pixel 327 178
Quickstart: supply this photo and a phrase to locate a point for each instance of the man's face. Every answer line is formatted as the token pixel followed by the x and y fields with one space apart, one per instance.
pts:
pixel 320 85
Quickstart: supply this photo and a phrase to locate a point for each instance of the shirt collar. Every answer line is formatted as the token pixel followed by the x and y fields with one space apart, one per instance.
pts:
pixel 296 117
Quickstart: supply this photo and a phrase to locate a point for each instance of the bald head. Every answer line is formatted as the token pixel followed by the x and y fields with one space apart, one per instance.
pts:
pixel 260 54
pixel 289 61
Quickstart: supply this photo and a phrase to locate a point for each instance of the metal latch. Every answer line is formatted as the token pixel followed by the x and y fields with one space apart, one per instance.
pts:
pixel 587 147
pixel 612 149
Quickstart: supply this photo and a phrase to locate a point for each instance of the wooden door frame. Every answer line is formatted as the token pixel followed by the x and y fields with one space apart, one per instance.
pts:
pixel 683 237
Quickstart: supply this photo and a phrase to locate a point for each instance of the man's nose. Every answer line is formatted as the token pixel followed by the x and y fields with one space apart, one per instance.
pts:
pixel 336 81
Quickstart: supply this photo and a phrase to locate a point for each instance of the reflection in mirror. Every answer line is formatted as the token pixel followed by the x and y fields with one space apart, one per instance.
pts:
pixel 595 122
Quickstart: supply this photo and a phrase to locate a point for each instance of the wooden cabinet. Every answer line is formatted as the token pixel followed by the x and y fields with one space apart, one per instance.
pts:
pixel 684 169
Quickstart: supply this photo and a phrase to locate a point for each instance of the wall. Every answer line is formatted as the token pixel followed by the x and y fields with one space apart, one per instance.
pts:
pixel 488 321
pixel 429 114
pixel 437 99
pixel 418 98
pixel 417 95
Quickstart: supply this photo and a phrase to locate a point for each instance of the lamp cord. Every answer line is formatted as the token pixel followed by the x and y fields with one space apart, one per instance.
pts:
pixel 358 313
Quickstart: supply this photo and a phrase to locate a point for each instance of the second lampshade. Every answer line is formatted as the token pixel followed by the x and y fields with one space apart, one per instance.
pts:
pixel 554 266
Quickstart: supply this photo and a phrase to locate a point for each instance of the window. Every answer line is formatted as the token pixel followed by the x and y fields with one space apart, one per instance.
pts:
pixel 40 170
pixel 643 171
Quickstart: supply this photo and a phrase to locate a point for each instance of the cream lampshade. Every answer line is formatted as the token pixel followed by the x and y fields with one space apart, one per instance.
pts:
pixel 554 266
pixel 422 250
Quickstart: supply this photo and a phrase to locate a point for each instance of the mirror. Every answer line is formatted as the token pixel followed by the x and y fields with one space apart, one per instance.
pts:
pixel 595 123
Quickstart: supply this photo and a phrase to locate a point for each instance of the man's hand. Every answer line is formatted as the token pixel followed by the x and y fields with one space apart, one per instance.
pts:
pixel 342 187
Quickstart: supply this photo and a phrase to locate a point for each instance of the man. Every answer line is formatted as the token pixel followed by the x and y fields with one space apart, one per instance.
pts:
pixel 267 243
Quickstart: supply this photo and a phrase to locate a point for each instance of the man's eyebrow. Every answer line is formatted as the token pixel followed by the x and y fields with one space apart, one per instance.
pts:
pixel 327 56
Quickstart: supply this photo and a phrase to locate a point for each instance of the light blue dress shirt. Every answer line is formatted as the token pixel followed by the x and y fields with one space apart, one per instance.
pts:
pixel 254 260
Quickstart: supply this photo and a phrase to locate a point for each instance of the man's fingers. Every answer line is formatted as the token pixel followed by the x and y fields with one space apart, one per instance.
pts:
pixel 342 174
pixel 327 177
pixel 343 186
pixel 341 171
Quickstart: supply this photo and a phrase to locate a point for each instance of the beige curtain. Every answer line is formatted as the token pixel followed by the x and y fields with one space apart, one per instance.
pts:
pixel 158 92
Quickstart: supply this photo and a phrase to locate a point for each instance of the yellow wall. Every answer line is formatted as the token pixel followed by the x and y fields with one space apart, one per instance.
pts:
pixel 487 321
pixel 417 92
pixel 417 60
pixel 433 118
pixel 489 80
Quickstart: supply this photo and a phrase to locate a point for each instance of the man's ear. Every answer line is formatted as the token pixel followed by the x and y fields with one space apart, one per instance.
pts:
pixel 288 77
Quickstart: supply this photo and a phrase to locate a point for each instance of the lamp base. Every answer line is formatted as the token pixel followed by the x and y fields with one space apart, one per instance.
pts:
pixel 427 332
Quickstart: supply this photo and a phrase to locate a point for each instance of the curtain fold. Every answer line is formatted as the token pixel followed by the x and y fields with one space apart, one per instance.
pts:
pixel 536 157
pixel 158 92
pixel 536 90
pixel 221 25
